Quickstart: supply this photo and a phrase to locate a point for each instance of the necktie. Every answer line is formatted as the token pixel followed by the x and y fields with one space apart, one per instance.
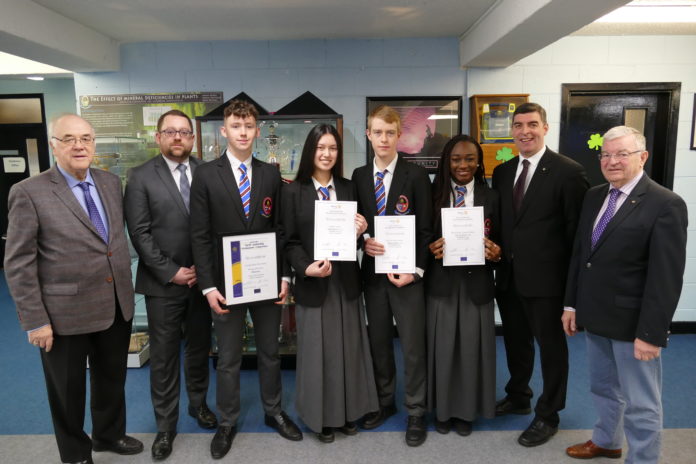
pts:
pixel 606 217
pixel 244 189
pixel 93 212
pixel 184 186
pixel 518 189
pixel 461 193
pixel 379 193
pixel 324 192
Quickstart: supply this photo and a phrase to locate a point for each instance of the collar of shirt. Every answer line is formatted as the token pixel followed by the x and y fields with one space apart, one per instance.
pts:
pixel 173 165
pixel 387 175
pixel 72 182
pixel 533 163
pixel 468 198
pixel 235 163
pixel 627 188
pixel 330 186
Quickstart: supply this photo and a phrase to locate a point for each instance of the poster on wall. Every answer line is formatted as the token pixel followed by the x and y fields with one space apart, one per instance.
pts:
pixel 125 124
pixel 427 123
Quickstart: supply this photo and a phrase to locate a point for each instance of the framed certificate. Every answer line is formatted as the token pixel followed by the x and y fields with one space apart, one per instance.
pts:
pixel 250 268
pixel 462 229
pixel 398 235
pixel 334 230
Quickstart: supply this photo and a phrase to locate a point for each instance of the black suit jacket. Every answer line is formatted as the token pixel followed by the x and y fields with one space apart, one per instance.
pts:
pixel 442 280
pixel 297 215
pixel 410 190
pixel 628 287
pixel 216 208
pixel 537 243
pixel 159 227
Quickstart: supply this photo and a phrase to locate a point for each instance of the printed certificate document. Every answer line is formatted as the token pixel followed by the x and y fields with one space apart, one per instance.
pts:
pixel 250 269
pixel 462 229
pixel 334 230
pixel 398 235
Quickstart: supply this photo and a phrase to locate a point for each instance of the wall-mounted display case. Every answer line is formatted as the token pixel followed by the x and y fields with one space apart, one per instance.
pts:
pixel 282 133
pixel 490 120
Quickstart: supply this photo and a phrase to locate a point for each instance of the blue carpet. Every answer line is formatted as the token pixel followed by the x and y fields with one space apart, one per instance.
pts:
pixel 24 405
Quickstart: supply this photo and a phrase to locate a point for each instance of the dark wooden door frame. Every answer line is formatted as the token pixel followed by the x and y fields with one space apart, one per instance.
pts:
pixel 671 89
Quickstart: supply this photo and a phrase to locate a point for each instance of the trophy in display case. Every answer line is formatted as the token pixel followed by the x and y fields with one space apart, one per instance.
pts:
pixel 272 142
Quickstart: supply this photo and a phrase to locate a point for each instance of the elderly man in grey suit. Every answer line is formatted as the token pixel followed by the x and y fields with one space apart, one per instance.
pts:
pixel 68 269
pixel 624 283
pixel 157 213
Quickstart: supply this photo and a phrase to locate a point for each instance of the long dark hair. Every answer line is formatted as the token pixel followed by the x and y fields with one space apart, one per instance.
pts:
pixel 442 184
pixel 306 167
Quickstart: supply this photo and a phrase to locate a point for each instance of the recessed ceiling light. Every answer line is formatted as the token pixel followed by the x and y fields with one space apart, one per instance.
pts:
pixel 35 78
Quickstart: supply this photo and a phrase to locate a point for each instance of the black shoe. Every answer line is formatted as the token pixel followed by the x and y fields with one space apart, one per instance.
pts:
pixel 85 461
pixel 222 441
pixel 162 446
pixel 462 427
pixel 416 431
pixel 349 428
pixel 326 435
pixel 124 445
pixel 375 419
pixel 538 433
pixel 284 426
pixel 443 427
pixel 507 406
pixel 204 416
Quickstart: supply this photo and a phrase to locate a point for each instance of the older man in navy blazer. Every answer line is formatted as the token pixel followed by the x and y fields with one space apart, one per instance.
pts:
pixel 624 283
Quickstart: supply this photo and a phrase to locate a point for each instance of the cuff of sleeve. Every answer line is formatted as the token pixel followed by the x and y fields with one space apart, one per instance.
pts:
pixel 420 272
pixel 569 308
pixel 208 290
pixel 34 330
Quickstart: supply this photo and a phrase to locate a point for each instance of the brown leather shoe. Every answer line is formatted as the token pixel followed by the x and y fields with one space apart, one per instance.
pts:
pixel 589 450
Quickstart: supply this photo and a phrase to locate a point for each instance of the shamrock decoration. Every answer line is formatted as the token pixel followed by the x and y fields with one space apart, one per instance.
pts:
pixel 596 141
pixel 504 154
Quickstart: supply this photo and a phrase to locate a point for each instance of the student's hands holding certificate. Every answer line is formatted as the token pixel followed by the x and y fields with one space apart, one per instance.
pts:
pixel 360 225
pixel 284 292
pixel 319 269
pixel 215 299
pixel 401 280
pixel 373 247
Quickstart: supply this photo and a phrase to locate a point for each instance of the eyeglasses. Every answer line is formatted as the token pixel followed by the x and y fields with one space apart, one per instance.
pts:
pixel 185 133
pixel 85 139
pixel 622 155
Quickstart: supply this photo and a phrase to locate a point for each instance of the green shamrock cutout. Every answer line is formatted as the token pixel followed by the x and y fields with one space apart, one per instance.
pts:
pixel 596 141
pixel 504 154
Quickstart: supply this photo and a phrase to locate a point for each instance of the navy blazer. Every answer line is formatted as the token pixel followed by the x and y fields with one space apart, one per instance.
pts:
pixel 628 287
pixel 409 194
pixel 441 280
pixel 297 217
pixel 537 243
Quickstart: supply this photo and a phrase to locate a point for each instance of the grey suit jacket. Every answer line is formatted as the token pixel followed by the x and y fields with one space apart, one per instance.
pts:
pixel 628 286
pixel 58 269
pixel 159 227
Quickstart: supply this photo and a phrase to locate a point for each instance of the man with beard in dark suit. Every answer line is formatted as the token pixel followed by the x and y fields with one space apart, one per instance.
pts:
pixel 157 212
pixel 541 194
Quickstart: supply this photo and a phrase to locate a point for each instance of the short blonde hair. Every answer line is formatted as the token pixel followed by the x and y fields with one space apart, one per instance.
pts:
pixel 386 114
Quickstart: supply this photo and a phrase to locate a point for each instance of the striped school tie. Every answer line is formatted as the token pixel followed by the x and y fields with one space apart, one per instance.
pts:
pixel 461 193
pixel 324 192
pixel 244 189
pixel 379 193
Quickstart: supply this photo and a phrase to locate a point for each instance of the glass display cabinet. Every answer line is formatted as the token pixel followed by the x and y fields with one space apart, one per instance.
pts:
pixel 282 133
pixel 490 120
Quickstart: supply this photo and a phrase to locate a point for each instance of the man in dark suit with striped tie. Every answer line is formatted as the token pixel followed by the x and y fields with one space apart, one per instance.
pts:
pixel 233 194
pixel 157 212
